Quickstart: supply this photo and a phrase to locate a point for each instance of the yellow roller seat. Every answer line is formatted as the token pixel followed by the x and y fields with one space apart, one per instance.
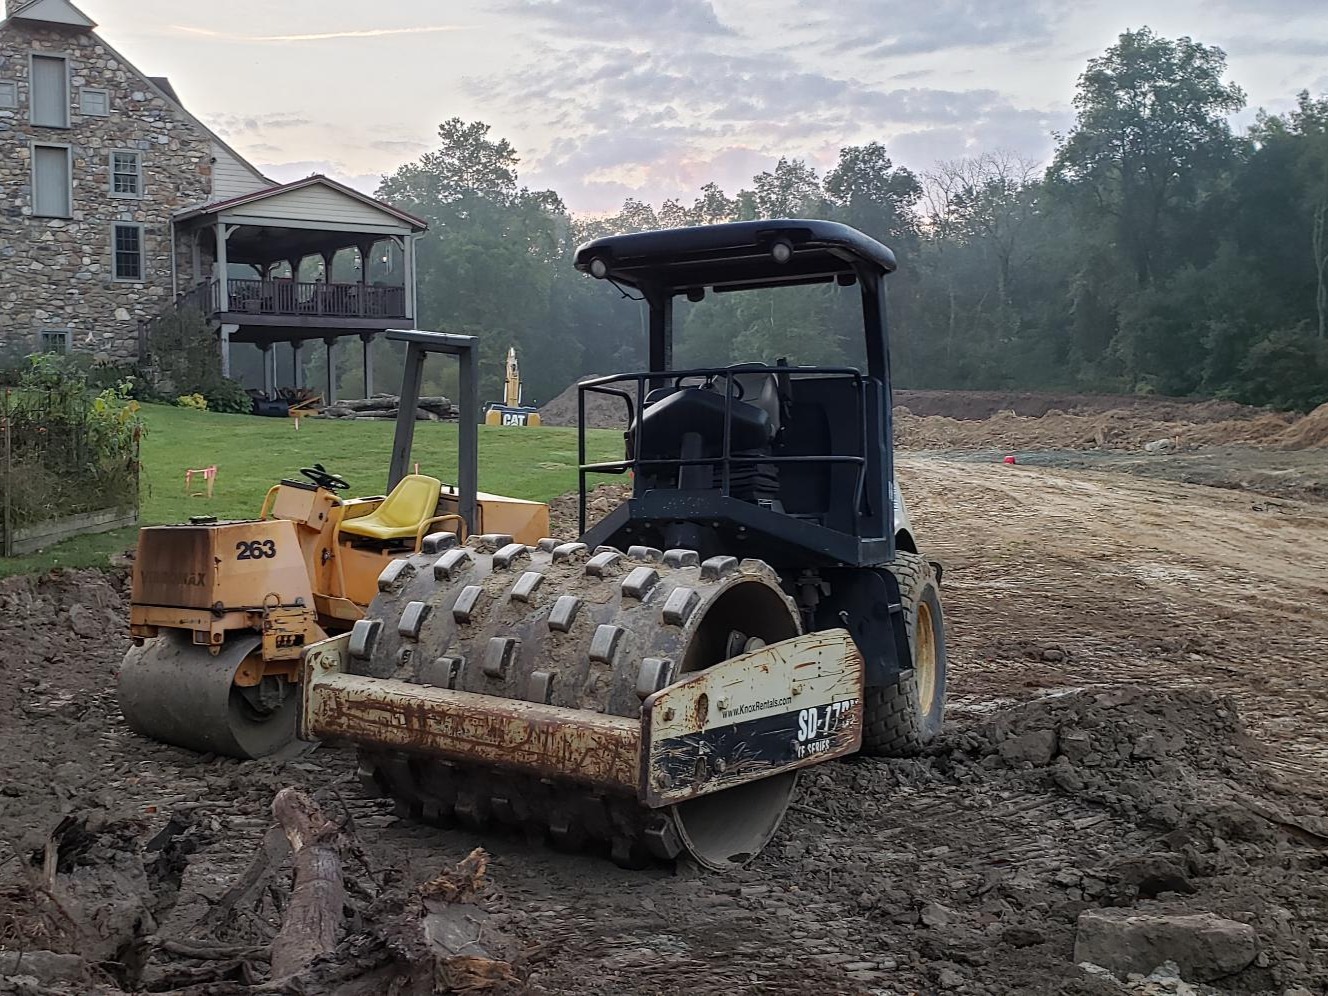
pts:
pixel 412 503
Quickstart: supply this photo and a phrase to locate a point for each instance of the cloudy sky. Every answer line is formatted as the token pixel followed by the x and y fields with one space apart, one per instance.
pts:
pixel 652 98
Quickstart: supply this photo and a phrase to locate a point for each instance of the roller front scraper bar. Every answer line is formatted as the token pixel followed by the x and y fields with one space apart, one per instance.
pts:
pixel 771 710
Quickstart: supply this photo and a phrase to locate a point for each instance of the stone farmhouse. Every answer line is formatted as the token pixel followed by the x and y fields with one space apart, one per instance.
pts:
pixel 117 206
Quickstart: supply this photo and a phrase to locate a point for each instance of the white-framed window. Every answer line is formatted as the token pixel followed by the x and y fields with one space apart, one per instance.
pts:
pixel 8 94
pixel 94 102
pixel 126 173
pixel 56 341
pixel 52 190
pixel 127 251
pixel 49 97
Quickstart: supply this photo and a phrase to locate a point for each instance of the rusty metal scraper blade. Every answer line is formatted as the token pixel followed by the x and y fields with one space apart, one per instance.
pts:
pixel 776 709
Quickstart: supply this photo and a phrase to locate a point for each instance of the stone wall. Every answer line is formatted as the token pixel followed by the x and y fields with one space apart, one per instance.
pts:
pixel 57 274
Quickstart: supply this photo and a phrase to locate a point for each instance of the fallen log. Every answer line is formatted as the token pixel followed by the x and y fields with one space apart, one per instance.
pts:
pixel 451 934
pixel 313 916
pixel 265 863
pixel 379 402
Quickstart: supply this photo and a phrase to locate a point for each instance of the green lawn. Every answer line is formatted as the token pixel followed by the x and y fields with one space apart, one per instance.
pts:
pixel 252 454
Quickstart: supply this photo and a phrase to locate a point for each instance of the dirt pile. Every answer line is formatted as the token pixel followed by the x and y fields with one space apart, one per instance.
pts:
pixel 958 420
pixel 978 405
pixel 1308 432
pixel 602 411
pixel 564 512
pixel 1118 798
pixel 1121 429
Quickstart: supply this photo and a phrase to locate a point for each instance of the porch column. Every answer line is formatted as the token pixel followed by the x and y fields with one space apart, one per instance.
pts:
pixel 408 245
pixel 225 336
pixel 366 252
pixel 223 274
pixel 297 364
pixel 326 303
pixel 367 338
pixel 269 388
pixel 331 397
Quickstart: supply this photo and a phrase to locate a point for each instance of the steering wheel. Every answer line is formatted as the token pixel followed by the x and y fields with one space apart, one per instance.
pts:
pixel 321 478
pixel 734 386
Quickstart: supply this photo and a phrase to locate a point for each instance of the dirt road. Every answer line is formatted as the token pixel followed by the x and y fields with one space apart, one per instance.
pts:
pixel 1108 634
pixel 1072 580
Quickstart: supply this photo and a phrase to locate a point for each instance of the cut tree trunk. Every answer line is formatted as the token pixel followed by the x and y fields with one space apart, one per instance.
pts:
pixel 314 915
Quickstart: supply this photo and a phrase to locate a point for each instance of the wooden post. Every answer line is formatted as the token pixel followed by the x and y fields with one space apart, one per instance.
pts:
pixel 325 301
pixel 409 253
pixel 297 363
pixel 269 358
pixel 366 253
pixel 224 336
pixel 331 399
pixel 223 269
pixel 367 338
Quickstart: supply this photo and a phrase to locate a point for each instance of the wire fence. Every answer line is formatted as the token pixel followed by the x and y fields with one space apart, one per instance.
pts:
pixel 67 455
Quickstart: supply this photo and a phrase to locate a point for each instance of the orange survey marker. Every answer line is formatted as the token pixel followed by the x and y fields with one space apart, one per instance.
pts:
pixel 208 475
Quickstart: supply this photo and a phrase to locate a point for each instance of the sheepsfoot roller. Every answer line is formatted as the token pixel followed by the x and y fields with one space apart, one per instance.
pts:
pixel 646 702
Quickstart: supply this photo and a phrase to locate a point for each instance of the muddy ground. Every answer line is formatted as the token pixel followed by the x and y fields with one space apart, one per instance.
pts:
pixel 1139 699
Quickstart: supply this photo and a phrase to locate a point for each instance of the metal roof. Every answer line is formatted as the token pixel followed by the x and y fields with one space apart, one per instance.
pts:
pixel 737 255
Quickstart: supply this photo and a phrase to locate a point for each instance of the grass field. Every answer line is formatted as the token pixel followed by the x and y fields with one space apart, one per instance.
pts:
pixel 252 454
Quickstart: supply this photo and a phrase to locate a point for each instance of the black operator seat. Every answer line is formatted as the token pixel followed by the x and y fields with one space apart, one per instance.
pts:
pixel 670 413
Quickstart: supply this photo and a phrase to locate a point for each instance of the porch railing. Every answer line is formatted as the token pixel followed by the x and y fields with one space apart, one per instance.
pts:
pixel 289 297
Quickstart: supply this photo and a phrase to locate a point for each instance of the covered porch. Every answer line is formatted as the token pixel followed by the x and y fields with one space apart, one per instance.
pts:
pixel 302 263
pixel 283 355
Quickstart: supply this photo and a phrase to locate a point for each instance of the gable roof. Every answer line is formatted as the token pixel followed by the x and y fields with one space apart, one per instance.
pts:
pixel 52 12
pixel 217 207
pixel 65 13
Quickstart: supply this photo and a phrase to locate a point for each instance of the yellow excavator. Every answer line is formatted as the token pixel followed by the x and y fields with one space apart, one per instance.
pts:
pixel 221 612
pixel 512 411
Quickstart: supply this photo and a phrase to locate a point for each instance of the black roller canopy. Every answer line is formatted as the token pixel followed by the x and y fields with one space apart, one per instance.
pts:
pixel 736 256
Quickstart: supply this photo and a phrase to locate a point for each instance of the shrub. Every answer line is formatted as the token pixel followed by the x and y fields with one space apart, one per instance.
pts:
pixel 72 450
pixel 186 360
pixel 194 401
pixel 228 397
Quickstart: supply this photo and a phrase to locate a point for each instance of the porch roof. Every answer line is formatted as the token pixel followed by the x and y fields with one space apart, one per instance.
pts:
pixel 259 245
pixel 316 202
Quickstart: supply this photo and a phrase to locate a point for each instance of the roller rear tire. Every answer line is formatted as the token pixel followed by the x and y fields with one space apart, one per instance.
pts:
pixel 903 717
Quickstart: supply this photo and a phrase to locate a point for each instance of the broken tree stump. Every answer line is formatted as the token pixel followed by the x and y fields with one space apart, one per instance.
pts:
pixel 313 917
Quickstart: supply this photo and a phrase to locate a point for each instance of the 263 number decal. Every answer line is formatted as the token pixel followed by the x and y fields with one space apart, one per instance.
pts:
pixel 255 550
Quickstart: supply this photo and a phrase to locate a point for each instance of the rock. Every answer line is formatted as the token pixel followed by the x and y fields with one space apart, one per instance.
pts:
pixel 1204 946
pixel 1022 937
pixel 44 966
pixel 935 915
pixel 1160 446
pixel 1037 748
pixel 1076 745
pixel 948 978
pixel 85 622
pixel 1151 874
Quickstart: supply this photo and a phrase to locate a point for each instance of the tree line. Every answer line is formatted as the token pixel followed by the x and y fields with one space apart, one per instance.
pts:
pixel 1160 251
